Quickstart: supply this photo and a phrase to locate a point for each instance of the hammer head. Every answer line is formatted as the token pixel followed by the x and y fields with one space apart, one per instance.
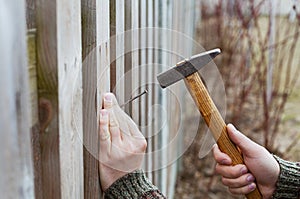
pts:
pixel 186 67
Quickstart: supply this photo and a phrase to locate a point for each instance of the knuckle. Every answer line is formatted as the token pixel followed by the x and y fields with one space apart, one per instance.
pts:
pixel 143 145
pixel 233 191
pixel 224 181
pixel 219 169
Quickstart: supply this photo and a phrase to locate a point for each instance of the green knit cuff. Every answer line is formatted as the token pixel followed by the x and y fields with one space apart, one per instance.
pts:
pixel 132 185
pixel 288 184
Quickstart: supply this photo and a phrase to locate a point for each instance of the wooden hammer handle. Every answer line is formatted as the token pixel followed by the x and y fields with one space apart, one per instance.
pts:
pixel 215 123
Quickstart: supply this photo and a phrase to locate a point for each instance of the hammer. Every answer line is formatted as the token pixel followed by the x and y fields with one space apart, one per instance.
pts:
pixel 188 70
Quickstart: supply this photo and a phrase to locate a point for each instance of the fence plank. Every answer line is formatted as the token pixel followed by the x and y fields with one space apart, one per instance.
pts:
pixel 30 14
pixel 90 43
pixel 128 78
pixel 164 98
pixel 158 137
pixel 103 30
pixel 142 75
pixel 60 97
pixel 16 168
pixel 48 107
pixel 120 49
pixel 34 125
pixel 174 113
pixel 135 58
pixel 149 77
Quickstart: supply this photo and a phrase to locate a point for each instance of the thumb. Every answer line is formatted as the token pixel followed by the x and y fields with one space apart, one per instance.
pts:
pixel 247 146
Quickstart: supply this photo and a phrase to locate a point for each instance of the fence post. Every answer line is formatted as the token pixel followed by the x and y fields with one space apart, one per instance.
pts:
pixel 16 167
pixel 60 97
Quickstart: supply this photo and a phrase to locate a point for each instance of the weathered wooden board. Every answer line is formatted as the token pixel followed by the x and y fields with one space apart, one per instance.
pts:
pixel 60 97
pixel 135 58
pixel 156 89
pixel 120 50
pixel 149 79
pixel 30 14
pixel 104 41
pixel 34 125
pixel 16 167
pixel 127 52
pixel 142 75
pixel 90 9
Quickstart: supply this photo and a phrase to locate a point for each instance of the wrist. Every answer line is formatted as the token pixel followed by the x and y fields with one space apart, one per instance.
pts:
pixel 288 183
pixel 131 185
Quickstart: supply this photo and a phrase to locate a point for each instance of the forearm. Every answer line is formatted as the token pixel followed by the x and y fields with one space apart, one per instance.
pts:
pixel 133 185
pixel 288 184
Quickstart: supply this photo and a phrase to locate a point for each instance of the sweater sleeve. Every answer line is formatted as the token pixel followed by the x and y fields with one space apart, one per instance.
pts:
pixel 133 185
pixel 288 184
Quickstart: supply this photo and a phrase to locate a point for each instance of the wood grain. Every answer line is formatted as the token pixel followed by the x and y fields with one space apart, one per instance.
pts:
pixel 112 44
pixel 60 97
pixel 135 58
pixel 215 122
pixel 120 50
pixel 128 78
pixel 149 79
pixel 30 14
pixel 90 56
pixel 142 76
pixel 34 126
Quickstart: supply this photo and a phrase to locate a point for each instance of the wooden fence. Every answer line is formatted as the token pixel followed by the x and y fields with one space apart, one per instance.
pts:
pixel 57 59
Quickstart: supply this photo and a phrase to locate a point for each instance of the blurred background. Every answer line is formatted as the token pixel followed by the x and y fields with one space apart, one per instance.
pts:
pixel 260 68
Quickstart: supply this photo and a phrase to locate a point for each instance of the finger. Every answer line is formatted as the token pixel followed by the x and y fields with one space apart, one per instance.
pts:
pixel 114 127
pixel 108 100
pixel 104 133
pixel 126 124
pixel 231 171
pixel 221 157
pixel 134 130
pixel 244 143
pixel 238 182
pixel 243 190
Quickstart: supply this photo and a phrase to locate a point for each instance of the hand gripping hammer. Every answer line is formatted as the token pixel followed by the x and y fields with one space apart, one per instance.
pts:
pixel 188 70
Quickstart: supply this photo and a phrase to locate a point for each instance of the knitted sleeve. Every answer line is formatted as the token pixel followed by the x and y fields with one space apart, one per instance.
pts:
pixel 133 185
pixel 288 184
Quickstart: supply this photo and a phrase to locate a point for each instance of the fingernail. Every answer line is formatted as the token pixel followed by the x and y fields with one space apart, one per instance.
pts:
pixel 225 161
pixel 251 186
pixel 250 178
pixel 244 170
pixel 108 98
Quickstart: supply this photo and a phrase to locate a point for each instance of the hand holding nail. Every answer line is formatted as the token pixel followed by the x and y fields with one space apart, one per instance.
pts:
pixel 122 145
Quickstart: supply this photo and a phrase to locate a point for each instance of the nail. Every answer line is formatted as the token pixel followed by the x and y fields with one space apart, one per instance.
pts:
pixel 131 99
pixel 251 186
pixel 225 162
pixel 250 178
pixel 108 98
pixel 244 170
